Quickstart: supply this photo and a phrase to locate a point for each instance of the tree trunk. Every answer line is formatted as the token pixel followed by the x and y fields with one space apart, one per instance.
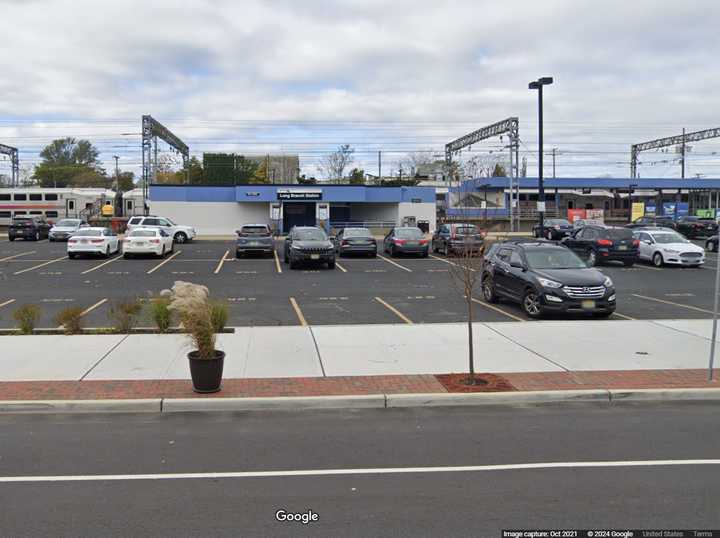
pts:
pixel 471 356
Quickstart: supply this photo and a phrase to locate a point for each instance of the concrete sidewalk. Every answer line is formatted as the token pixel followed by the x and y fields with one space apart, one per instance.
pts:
pixel 368 350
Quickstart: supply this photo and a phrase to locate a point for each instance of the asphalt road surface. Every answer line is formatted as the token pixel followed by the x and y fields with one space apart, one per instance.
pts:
pixel 258 290
pixel 69 501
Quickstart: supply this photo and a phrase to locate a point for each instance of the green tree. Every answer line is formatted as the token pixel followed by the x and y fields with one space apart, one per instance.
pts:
pixel 499 171
pixel 261 175
pixel 196 173
pixel 69 162
pixel 357 176
pixel 126 181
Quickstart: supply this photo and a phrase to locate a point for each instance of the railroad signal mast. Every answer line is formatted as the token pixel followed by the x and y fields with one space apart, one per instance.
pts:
pixel 679 140
pixel 14 163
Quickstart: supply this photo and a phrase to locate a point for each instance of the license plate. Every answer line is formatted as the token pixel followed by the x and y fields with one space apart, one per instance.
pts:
pixel 314 256
pixel 412 243
pixel 140 244
pixel 588 304
pixel 622 247
pixel 84 241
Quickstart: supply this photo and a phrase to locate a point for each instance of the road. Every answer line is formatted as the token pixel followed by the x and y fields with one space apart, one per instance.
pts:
pixel 384 503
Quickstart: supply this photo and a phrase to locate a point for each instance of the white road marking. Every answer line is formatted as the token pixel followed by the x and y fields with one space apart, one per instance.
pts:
pixel 641 266
pixel 394 311
pixel 496 309
pixel 17 256
pixel 39 266
pixel 277 262
pixel 451 263
pixel 158 266
pixel 93 307
pixel 9 301
pixel 618 314
pixel 340 267
pixel 361 471
pixel 672 303
pixel 221 262
pixel 117 257
pixel 395 264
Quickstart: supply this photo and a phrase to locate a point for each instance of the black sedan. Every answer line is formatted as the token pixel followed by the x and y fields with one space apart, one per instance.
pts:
pixel 692 227
pixel 406 240
pixel 553 229
pixel 308 244
pixel 355 241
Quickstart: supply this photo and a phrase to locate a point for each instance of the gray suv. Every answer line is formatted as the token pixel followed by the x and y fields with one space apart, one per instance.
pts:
pixel 254 239
pixel 308 244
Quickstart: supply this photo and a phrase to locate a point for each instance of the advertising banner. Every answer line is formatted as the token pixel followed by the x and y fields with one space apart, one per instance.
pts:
pixel 595 216
pixel 704 213
pixel 638 210
pixel 575 214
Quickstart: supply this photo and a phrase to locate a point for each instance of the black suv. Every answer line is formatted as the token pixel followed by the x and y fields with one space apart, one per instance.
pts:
pixel 28 228
pixel 659 221
pixel 692 227
pixel 545 277
pixel 600 244
pixel 308 243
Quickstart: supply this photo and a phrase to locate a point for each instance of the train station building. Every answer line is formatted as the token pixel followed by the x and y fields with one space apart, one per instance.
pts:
pixel 222 209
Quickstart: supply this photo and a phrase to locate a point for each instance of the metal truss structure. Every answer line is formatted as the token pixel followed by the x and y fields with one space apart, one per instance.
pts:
pixel 151 131
pixel 511 126
pixel 14 163
pixel 680 140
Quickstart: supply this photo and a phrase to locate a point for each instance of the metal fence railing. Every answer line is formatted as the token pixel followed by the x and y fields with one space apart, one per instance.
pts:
pixel 362 224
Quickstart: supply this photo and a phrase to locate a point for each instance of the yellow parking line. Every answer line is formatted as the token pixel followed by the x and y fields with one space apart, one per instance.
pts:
pixel 340 267
pixel 39 266
pixel 622 315
pixel 394 311
pixel 93 307
pixel 395 264
pixel 221 262
pixel 103 264
pixel 158 266
pixel 672 303
pixel 17 256
pixel 298 312
pixel 451 263
pixel 9 301
pixel 496 309
pixel 277 262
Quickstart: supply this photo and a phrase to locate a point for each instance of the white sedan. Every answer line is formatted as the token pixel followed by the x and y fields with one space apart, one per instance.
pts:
pixel 93 240
pixel 147 241
pixel 663 246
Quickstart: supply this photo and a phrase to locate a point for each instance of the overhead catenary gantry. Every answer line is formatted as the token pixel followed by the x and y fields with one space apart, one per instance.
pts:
pixel 14 163
pixel 151 131
pixel 511 126
pixel 678 140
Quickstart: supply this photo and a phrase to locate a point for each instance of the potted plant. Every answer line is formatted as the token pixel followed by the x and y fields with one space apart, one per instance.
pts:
pixel 194 309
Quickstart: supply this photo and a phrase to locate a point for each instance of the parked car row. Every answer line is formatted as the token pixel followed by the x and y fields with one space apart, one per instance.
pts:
pixel 689 226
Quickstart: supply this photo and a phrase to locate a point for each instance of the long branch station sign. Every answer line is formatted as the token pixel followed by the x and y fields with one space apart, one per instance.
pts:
pixel 293 194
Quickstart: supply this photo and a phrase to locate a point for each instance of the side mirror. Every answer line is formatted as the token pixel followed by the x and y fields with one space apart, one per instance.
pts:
pixel 517 265
pixel 332 238
pixel 647 242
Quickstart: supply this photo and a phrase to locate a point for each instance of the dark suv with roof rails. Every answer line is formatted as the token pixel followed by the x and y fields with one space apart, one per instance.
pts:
pixel 545 277
pixel 599 244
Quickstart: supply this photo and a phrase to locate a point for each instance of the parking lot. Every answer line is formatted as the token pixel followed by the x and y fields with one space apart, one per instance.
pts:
pixel 264 291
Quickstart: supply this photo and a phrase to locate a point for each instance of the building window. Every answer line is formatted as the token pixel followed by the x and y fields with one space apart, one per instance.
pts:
pixel 51 197
pixel 19 213
pixel 20 197
pixel 36 212
pixel 36 197
pixel 571 204
pixel 5 214
pixel 5 197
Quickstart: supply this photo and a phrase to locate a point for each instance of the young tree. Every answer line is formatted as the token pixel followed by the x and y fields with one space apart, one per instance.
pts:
pixel 357 176
pixel 262 174
pixel 69 162
pixel 126 181
pixel 414 159
pixel 333 165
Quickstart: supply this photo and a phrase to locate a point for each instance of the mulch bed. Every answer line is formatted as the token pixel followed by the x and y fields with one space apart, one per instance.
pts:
pixel 457 383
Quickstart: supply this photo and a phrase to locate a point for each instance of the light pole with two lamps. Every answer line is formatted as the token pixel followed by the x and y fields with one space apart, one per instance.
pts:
pixel 538 85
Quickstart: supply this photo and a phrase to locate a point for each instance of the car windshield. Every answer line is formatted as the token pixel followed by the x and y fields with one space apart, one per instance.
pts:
pixel 558 222
pixel 408 233
pixel 70 223
pixel 254 230
pixel 88 233
pixel 669 238
pixel 310 235
pixel 356 232
pixel 619 233
pixel 466 230
pixel 142 233
pixel 553 258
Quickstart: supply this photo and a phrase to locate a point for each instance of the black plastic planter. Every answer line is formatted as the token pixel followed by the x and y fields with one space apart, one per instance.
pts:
pixel 206 373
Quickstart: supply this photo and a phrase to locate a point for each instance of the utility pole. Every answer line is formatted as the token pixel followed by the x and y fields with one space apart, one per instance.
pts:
pixel 380 166
pixel 117 173
pixel 401 172
pixel 553 156
pixel 682 160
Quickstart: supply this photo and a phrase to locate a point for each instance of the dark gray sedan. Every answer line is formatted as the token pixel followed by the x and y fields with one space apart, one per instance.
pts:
pixel 355 241
pixel 406 240
pixel 254 238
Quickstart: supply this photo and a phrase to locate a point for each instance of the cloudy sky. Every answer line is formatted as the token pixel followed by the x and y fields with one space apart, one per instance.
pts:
pixel 304 76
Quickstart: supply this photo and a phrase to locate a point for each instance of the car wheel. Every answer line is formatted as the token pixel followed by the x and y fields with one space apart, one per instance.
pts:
pixel 548 235
pixel 293 264
pixel 180 238
pixel 71 255
pixel 601 314
pixel 286 257
pixel 488 289
pixel 162 252
pixel 107 251
pixel 238 254
pixel 37 236
pixel 592 259
pixel 51 239
pixel 531 304
pixel 11 238
pixel 126 256
pixel 392 251
pixel 657 260
pixel 331 264
pixel 425 253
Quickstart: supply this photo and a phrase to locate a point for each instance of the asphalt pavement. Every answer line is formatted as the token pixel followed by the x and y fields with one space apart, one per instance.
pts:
pixel 430 501
pixel 265 292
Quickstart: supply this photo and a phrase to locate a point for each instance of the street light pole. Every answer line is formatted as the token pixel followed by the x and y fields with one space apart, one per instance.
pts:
pixel 117 172
pixel 538 85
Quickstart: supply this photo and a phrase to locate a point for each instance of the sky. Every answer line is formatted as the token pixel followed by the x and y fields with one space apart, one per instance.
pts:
pixel 303 77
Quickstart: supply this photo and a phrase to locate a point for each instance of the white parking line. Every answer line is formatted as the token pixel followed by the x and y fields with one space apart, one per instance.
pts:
pixel 221 262
pixel 340 267
pixel 39 266
pixel 394 311
pixel 103 264
pixel 395 264
pixel 9 301
pixel 642 266
pixel 277 262
pixel 672 303
pixel 623 316
pixel 496 309
pixel 17 256
pixel 451 263
pixel 93 307
pixel 158 266
pixel 359 471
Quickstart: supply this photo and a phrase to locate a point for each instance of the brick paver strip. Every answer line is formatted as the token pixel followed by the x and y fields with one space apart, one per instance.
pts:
pixel 349 385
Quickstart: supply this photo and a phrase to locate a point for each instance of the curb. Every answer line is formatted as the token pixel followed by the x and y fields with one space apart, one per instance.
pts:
pixel 365 401
pixel 153 405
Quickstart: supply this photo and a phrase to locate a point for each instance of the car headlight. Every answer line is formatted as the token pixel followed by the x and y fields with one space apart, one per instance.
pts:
pixel 545 283
pixel 607 282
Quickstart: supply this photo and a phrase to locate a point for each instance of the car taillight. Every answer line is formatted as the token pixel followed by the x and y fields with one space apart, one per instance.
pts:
pixel 96 240
pixel 344 242
pixel 423 241
pixel 636 243
pixel 72 240
pixel 697 225
pixel 604 242
pixel 399 241
pixel 156 241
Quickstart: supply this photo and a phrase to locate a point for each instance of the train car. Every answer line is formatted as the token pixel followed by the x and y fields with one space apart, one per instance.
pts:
pixel 50 203
pixel 132 201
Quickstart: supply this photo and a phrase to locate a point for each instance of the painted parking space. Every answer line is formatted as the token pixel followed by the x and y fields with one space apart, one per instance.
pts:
pixel 344 310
